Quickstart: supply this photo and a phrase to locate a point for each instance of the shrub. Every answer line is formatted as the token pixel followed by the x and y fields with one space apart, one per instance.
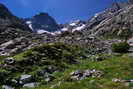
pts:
pixel 121 47
pixel 3 76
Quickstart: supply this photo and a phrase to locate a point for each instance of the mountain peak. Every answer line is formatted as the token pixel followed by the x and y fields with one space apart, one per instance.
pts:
pixel 43 14
pixel 7 19
pixel 43 21
pixel 4 12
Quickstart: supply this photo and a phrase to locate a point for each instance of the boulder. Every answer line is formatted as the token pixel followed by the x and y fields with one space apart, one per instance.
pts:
pixel 9 60
pixel 30 85
pixel 7 87
pixel 120 80
pixel 48 77
pixel 26 79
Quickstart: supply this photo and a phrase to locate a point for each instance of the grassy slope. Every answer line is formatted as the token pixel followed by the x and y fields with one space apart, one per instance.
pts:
pixel 114 67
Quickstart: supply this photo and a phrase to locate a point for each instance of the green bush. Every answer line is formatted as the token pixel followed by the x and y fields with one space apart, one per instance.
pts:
pixel 3 76
pixel 121 47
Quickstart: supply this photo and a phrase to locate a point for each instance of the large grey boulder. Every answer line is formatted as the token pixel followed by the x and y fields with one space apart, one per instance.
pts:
pixel 7 87
pixel 25 79
pixel 30 85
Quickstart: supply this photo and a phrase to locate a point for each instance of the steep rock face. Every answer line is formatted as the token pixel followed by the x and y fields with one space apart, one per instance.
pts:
pixel 120 25
pixel 11 29
pixel 11 26
pixel 42 21
pixel 108 13
pixel 7 19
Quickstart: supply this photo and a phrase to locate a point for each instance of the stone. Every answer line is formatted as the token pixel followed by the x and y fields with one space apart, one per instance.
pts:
pixel 87 73
pixel 1 49
pixel 25 79
pixel 3 53
pixel 9 60
pixel 7 43
pixel 130 54
pixel 48 77
pixel 30 85
pixel 124 81
pixel 74 78
pixel 80 75
pixel 131 80
pixel 76 72
pixel 14 81
pixel 7 87
pixel 116 80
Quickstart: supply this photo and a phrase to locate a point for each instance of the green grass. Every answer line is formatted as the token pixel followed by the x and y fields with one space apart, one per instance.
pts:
pixel 21 56
pixel 113 67
pixel 58 55
pixel 1 59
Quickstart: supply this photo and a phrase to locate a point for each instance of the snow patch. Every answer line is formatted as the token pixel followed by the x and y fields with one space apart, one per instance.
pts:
pixel 79 28
pixel 64 29
pixel 73 24
pixel 57 32
pixel 29 23
pixel 41 31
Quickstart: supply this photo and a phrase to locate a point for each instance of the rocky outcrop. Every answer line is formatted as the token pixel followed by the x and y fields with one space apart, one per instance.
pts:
pixel 119 25
pixel 107 14
pixel 80 75
pixel 11 27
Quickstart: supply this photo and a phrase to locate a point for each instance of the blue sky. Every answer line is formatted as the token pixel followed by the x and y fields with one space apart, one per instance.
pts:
pixel 62 10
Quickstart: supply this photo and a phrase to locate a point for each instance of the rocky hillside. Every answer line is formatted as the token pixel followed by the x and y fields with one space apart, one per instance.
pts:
pixel 115 23
pixel 10 26
pixel 15 35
